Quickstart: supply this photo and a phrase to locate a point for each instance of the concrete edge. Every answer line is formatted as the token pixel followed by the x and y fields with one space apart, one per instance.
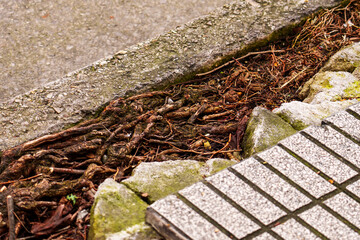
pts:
pixel 174 56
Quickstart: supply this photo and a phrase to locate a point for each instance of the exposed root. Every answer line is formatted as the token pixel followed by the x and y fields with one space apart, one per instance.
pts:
pixel 53 177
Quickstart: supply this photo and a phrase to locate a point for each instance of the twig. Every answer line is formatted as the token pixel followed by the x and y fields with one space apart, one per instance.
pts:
pixel 146 95
pixel 66 170
pixel 11 218
pixel 223 148
pixel 101 151
pixel 132 158
pixel 21 222
pixel 210 139
pixel 237 59
pixel 197 113
pixel 216 115
pixel 201 153
pixel 20 180
pixel 293 78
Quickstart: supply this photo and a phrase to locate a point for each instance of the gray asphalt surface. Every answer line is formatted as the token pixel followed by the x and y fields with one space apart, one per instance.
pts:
pixel 41 41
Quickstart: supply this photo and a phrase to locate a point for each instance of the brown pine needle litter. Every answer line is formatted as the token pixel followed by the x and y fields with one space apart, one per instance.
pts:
pixel 53 178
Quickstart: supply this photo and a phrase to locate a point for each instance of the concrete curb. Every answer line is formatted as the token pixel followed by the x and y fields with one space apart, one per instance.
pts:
pixel 176 55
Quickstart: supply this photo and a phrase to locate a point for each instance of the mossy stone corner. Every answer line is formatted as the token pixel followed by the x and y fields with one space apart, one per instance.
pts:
pixel 264 130
pixel 119 213
pixel 115 208
pixel 330 86
pixel 347 59
pixel 301 115
pixel 160 179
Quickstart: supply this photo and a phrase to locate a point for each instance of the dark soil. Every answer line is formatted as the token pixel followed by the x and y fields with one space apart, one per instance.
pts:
pixel 52 178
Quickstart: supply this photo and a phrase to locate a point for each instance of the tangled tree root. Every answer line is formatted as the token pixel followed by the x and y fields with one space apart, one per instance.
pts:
pixel 52 178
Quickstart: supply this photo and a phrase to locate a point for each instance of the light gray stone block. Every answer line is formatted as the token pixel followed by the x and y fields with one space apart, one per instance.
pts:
pixel 264 236
pixel 330 86
pixel 264 129
pixel 186 219
pixel 301 115
pixel 116 209
pixel 219 210
pixel 346 122
pixel 159 179
pixel 347 59
pixel 296 171
pixel 246 197
pixel 336 142
pixel 327 224
pixel 272 184
pixel 291 229
pixel 346 207
pixel 319 158
pixel 355 108
pixel 355 188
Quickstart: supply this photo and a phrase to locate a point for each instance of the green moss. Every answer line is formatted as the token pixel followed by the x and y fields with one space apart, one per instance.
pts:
pixel 296 124
pixel 326 84
pixel 115 209
pixel 264 130
pixel 356 64
pixel 216 165
pixel 161 179
pixel 353 91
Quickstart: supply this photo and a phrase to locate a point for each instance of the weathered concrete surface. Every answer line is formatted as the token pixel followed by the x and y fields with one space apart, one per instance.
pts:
pixel 182 52
pixel 41 41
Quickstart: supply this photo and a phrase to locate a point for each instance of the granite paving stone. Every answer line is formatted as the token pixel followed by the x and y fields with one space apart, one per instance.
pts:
pixel 346 122
pixel 241 193
pixel 190 222
pixel 296 171
pixel 327 224
pixel 318 157
pixel 271 183
pixel 336 142
pixel 214 206
pixel 254 198
pixel 355 188
pixel 346 207
pixel 264 236
pixel 292 229
pixel 355 108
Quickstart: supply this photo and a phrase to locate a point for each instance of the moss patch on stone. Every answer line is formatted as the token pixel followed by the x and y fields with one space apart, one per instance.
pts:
pixel 115 209
pixel 160 179
pixel 264 130
pixel 215 165
pixel 353 91
pixel 140 231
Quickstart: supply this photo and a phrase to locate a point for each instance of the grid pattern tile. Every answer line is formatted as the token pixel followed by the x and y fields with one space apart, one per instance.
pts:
pixel 305 187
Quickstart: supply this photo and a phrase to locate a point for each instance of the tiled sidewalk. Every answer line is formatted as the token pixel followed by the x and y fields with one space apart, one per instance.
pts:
pixel 306 187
